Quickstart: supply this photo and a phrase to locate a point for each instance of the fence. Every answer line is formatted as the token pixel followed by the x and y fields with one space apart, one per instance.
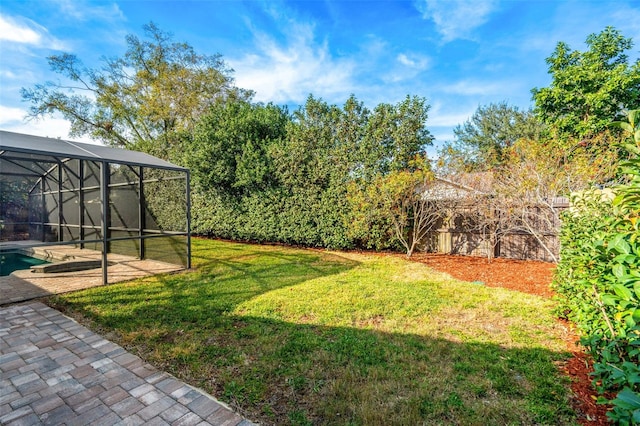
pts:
pixel 457 236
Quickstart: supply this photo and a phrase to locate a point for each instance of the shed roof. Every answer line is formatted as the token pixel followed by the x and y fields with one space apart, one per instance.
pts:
pixel 444 189
pixel 37 146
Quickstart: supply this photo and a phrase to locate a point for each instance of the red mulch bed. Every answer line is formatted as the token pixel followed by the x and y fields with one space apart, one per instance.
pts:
pixel 529 277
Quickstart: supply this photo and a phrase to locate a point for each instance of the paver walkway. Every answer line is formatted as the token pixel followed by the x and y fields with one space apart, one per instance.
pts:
pixel 55 371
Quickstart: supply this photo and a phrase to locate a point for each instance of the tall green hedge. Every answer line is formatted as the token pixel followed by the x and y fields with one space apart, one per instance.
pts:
pixel 262 174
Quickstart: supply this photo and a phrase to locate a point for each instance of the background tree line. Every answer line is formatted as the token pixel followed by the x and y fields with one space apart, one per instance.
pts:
pixel 562 145
pixel 263 174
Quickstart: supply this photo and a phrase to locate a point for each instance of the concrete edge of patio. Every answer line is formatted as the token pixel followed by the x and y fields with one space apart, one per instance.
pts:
pixel 56 371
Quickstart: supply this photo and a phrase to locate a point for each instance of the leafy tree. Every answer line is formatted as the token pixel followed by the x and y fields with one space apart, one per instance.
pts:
pixel 313 165
pixel 309 154
pixel 395 134
pixel 229 158
pixel 480 142
pixel 398 197
pixel 589 88
pixel 140 100
pixel 325 142
pixel 327 147
pixel 392 137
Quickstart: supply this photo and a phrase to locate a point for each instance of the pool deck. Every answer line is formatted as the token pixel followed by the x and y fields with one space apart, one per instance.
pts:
pixel 55 371
pixel 26 285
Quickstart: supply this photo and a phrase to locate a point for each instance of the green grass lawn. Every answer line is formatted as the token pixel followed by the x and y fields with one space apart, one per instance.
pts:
pixel 290 336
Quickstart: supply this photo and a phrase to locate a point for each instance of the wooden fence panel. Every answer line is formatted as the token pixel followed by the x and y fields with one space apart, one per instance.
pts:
pixel 514 245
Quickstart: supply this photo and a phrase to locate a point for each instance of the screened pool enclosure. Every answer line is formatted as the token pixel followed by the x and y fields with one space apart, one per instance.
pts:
pixel 94 197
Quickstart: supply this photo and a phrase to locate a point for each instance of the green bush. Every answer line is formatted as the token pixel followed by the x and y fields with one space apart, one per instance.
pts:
pixel 598 279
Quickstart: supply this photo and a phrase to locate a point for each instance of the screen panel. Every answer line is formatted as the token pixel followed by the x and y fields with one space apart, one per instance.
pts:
pixel 125 247
pixel 124 205
pixel 165 200
pixel 171 249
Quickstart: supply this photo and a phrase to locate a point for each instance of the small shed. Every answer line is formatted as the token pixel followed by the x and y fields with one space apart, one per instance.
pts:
pixel 57 192
pixel 462 199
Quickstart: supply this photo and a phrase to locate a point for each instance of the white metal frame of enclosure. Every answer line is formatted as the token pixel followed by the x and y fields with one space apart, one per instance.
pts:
pixel 23 156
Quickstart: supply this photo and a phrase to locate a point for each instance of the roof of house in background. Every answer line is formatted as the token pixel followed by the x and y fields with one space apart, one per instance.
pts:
pixel 459 186
pixel 478 181
pixel 442 188
pixel 472 184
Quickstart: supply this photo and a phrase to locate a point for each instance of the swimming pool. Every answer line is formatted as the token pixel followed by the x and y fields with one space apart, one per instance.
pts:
pixel 14 261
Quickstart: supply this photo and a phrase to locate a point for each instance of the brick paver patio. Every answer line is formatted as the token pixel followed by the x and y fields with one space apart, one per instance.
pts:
pixel 55 371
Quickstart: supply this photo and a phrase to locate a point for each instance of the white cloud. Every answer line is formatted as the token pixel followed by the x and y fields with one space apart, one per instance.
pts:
pixel 439 140
pixel 374 46
pixel 442 137
pixel 406 67
pixel 449 114
pixel 10 30
pixel 84 11
pixel 418 62
pixel 27 32
pixel 8 74
pixel 572 25
pixel 288 71
pixel 438 119
pixel 12 120
pixel 443 118
pixel 10 114
pixel 456 19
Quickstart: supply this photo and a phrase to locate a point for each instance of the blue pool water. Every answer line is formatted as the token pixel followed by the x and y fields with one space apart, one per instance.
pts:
pixel 14 261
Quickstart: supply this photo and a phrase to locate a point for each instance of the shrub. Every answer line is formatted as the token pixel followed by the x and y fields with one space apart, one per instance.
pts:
pixel 598 279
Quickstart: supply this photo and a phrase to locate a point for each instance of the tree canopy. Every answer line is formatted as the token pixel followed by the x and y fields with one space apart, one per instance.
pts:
pixel 140 100
pixel 589 89
pixel 572 116
pixel 480 142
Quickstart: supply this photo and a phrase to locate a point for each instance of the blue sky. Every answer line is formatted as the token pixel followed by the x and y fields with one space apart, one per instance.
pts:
pixel 457 54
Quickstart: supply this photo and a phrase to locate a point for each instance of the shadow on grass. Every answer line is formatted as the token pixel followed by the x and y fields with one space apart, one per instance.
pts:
pixel 284 373
pixel 215 288
pixel 278 372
